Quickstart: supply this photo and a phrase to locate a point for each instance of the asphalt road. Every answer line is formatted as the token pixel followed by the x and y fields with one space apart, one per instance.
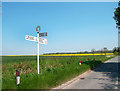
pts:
pixel 103 77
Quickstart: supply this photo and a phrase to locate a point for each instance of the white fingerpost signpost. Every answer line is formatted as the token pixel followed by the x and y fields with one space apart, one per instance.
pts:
pixel 38 40
pixel 38 30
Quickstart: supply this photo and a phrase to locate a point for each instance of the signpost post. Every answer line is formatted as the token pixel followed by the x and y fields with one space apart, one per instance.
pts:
pixel 38 30
pixel 38 40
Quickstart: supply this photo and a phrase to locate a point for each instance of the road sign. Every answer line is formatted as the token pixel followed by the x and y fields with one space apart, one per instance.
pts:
pixel 42 41
pixel 31 38
pixel 38 40
pixel 43 34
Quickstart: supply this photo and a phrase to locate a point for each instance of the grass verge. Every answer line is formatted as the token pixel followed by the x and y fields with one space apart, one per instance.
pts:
pixel 53 70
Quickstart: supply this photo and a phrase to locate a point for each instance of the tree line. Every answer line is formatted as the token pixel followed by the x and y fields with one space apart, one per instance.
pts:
pixel 115 50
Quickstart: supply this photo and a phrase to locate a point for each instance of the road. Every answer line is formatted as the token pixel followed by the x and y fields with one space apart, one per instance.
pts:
pixel 103 77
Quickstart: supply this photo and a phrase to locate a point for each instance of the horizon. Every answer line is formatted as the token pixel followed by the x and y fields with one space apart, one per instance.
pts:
pixel 58 53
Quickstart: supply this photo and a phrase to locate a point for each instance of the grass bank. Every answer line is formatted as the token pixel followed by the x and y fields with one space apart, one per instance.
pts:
pixel 53 70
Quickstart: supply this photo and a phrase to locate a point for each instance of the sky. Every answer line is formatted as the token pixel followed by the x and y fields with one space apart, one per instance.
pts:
pixel 60 0
pixel 0 29
pixel 71 26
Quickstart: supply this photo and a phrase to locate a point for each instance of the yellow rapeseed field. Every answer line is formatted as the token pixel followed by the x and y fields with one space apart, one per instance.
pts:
pixel 67 54
pixel 78 54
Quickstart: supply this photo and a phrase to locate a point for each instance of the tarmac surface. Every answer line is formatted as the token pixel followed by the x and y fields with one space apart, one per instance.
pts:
pixel 105 76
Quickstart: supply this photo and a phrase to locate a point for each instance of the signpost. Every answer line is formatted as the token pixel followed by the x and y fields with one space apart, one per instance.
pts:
pixel 38 40
pixel 43 34
pixel 42 41
pixel 31 38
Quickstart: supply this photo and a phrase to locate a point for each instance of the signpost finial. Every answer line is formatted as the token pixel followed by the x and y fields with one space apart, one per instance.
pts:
pixel 38 29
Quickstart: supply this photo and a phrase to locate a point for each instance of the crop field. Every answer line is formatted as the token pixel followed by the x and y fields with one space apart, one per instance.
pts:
pixel 53 70
pixel 69 54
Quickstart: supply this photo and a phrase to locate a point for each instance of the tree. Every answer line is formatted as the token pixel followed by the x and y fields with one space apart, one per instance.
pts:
pixel 119 50
pixel 117 16
pixel 93 51
pixel 85 51
pixel 114 49
pixel 100 51
pixel 105 50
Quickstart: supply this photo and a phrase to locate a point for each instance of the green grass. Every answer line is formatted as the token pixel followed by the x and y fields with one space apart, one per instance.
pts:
pixel 53 70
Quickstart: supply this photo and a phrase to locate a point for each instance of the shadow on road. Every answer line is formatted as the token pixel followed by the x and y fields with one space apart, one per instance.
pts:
pixel 110 71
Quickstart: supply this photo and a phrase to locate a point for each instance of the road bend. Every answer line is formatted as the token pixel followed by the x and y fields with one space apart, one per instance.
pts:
pixel 103 77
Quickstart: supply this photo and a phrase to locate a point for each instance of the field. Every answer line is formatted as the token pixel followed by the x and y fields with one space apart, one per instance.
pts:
pixel 64 55
pixel 53 70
